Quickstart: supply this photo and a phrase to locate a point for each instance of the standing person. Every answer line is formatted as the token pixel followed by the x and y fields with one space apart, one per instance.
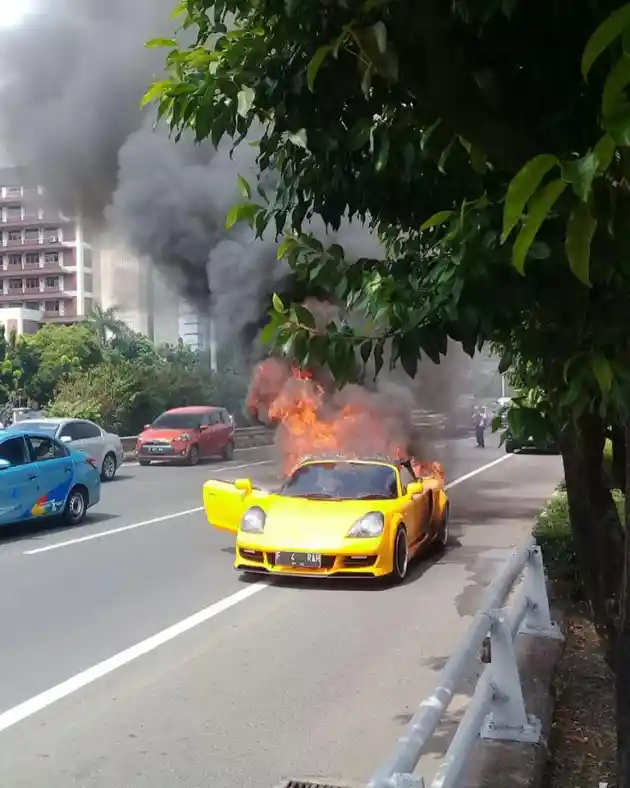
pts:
pixel 479 423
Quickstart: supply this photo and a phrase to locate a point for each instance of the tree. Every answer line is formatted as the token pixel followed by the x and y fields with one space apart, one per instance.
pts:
pixel 388 112
pixel 106 323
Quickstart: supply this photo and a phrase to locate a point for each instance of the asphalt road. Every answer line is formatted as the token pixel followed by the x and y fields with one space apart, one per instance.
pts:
pixel 133 655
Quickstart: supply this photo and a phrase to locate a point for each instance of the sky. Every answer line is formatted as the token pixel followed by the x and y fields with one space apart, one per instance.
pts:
pixel 12 11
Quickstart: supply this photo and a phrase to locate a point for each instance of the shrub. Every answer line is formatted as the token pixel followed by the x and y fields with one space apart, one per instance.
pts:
pixel 553 533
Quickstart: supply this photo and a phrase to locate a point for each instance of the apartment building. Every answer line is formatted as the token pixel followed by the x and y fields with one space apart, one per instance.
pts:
pixel 46 270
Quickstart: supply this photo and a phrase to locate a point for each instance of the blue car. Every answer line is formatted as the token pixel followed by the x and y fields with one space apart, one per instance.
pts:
pixel 41 477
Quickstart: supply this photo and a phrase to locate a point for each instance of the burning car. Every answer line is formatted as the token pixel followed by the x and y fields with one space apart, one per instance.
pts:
pixel 333 517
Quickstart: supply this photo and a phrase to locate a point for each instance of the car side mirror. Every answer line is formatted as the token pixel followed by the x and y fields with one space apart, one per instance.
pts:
pixel 414 489
pixel 147 427
pixel 244 485
pixel 65 439
pixel 203 427
pixel 4 464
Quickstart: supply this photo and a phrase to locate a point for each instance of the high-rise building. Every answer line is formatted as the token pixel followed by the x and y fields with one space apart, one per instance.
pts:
pixel 46 273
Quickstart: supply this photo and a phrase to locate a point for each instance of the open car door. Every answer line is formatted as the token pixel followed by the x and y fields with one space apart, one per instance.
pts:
pixel 225 502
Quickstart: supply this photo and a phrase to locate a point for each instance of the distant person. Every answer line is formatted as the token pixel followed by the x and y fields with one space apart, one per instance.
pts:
pixel 479 423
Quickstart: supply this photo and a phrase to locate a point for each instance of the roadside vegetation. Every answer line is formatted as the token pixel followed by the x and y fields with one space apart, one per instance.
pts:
pixel 582 745
pixel 102 370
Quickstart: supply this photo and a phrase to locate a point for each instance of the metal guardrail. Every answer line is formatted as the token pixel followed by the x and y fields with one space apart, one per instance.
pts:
pixel 497 708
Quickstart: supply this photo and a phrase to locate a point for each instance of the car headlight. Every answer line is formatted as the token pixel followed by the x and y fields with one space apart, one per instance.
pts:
pixel 184 437
pixel 253 521
pixel 371 524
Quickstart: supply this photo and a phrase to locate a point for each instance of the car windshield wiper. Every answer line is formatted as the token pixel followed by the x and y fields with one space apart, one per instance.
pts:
pixel 370 497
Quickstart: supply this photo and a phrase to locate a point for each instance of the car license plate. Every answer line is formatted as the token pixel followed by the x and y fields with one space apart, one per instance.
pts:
pixel 156 449
pixel 300 560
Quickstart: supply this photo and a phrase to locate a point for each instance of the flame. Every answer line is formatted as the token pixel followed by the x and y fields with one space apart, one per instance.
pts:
pixel 312 422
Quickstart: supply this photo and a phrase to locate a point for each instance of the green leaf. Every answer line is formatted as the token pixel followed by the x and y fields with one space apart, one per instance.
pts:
pixel 366 351
pixel 434 221
pixel 506 361
pixel 615 85
pixel 603 374
pixel 605 151
pixel 154 43
pixel 245 99
pixel 378 357
pixel 610 29
pixel 315 64
pixel 244 187
pixel 617 124
pixel 445 154
pixel 580 230
pixel 155 91
pixel 299 138
pixel 242 212
pixel 268 334
pixel 380 35
pixel 277 303
pixel 523 187
pixel 383 155
pixel 580 173
pixel 539 209
pixel 304 316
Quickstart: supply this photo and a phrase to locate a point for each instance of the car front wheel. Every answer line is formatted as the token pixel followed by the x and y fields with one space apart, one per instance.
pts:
pixel 228 451
pixel 401 556
pixel 193 455
pixel 76 506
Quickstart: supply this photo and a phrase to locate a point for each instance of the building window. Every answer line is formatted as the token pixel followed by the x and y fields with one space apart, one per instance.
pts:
pixel 51 306
pixel 15 260
pixel 51 234
pixel 32 258
pixel 15 305
pixel 31 235
pixel 13 212
pixel 88 282
pixel 15 284
pixel 13 191
pixel 52 281
pixel 51 257
pixel 15 235
pixel 87 258
pixel 32 283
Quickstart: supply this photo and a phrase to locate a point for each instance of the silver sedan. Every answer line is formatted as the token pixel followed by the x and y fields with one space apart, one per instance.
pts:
pixel 105 447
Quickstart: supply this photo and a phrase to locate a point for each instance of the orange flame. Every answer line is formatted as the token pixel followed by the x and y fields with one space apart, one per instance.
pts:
pixel 311 422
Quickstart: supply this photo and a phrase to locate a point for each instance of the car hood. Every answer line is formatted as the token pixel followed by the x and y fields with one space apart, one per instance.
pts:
pixel 308 523
pixel 163 434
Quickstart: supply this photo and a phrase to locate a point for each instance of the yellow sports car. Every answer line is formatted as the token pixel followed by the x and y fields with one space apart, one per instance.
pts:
pixel 332 518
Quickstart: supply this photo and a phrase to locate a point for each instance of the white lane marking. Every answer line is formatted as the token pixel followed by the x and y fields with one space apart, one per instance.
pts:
pixel 132 526
pixel 40 702
pixel 481 469
pixel 44 699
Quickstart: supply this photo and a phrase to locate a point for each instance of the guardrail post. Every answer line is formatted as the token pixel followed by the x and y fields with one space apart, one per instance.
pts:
pixel 508 720
pixel 537 619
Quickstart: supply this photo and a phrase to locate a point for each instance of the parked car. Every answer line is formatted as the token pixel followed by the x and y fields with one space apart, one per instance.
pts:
pixel 83 435
pixel 42 477
pixel 187 435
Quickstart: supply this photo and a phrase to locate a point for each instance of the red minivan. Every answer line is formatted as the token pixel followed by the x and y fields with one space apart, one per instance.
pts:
pixel 187 435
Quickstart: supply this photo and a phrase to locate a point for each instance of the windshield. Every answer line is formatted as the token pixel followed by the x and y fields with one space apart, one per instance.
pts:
pixel 47 427
pixel 177 421
pixel 342 481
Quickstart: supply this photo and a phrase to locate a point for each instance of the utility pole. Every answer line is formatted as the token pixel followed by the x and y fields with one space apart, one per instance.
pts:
pixel 149 296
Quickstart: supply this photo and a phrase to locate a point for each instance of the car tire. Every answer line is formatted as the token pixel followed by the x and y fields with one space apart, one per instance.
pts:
pixel 401 556
pixel 144 463
pixel 193 455
pixel 509 449
pixel 76 506
pixel 443 531
pixel 228 451
pixel 109 467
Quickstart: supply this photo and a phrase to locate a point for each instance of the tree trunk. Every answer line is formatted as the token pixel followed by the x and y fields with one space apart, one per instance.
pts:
pixel 595 525
pixel 622 672
pixel 618 470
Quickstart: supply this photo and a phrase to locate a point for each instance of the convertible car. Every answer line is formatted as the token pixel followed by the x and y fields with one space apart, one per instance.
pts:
pixel 332 518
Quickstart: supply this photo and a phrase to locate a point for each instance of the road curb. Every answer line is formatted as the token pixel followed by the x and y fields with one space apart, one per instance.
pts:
pixel 494 764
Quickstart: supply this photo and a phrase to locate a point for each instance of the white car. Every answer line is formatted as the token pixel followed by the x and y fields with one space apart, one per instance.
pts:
pixel 84 435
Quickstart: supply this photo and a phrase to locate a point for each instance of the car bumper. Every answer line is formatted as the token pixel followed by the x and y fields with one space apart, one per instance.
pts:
pixel 367 558
pixel 168 454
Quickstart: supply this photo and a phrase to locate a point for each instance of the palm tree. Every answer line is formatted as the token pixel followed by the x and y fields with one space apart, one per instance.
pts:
pixel 106 322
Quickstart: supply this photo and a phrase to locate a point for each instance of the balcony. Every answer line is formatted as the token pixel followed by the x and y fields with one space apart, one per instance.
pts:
pixel 32 245
pixel 33 221
pixel 30 294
